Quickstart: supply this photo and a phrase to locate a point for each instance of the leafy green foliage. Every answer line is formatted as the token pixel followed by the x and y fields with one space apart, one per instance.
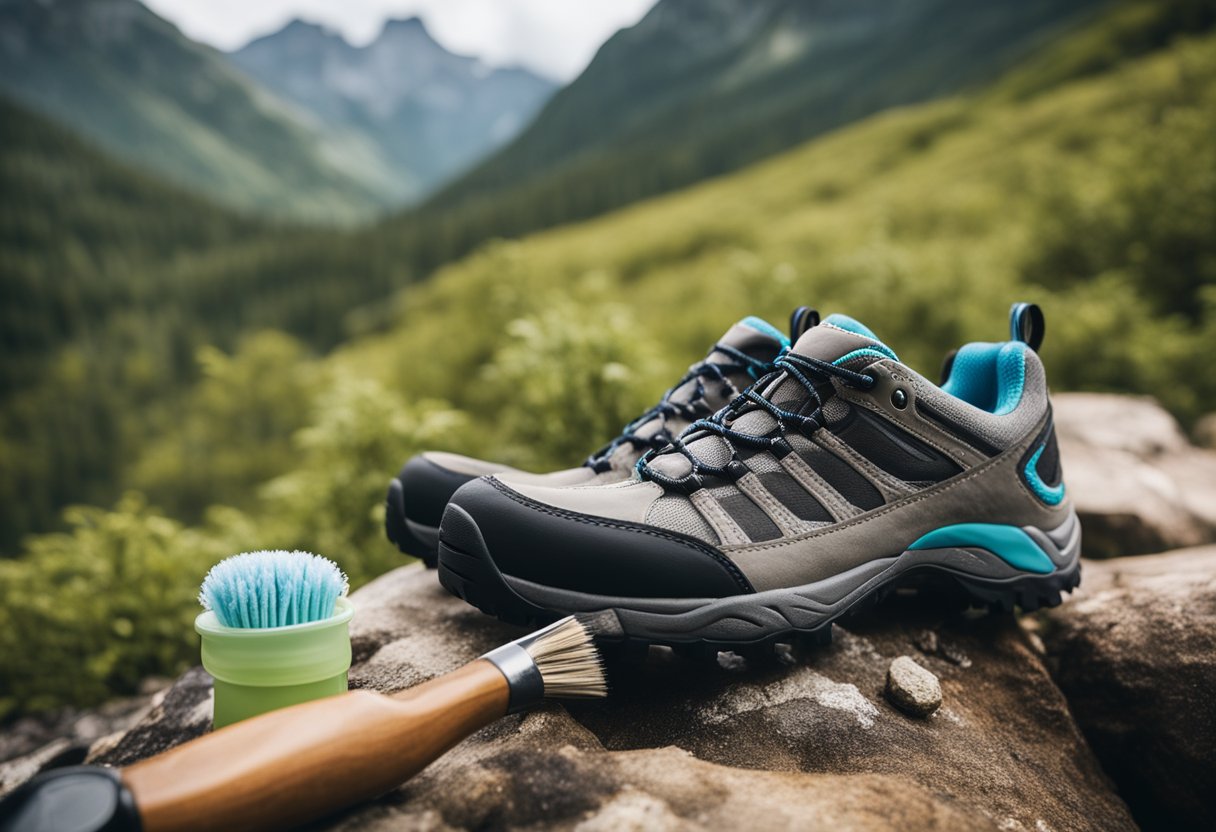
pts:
pixel 332 502
pixel 259 395
pixel 568 376
pixel 95 610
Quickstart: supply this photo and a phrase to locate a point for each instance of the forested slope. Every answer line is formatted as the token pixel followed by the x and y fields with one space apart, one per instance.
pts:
pixel 110 280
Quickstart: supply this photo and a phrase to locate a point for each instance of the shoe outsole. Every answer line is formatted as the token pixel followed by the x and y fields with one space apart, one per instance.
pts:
pixel 406 535
pixel 467 570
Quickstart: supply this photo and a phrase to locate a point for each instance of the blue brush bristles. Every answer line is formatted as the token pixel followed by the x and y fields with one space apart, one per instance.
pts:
pixel 272 589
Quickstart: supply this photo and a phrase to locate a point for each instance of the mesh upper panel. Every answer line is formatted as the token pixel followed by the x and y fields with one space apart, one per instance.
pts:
pixel 761 462
pixel 678 514
pixel 835 410
pixel 757 525
pixel 848 482
pixel 794 497
pixel 757 343
pixel 758 422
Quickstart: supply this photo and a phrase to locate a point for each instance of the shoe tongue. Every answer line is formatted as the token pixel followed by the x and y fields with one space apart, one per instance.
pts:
pixel 754 337
pixel 842 340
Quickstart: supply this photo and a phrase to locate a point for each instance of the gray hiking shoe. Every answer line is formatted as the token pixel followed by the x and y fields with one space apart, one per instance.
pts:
pixel 829 481
pixel 420 492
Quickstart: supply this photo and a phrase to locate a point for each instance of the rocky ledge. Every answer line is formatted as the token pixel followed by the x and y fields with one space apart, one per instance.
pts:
pixel 1099 714
pixel 1138 484
pixel 718 742
pixel 1135 654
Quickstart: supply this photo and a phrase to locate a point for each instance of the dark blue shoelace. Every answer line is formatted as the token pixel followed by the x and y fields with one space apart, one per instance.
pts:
pixel 802 369
pixel 691 410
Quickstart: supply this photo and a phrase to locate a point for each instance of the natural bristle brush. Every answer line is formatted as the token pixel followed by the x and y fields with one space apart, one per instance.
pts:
pixel 301 763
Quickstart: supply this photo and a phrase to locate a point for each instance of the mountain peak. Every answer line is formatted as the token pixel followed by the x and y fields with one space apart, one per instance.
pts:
pixel 414 21
pixel 404 25
pixel 300 25
pixel 298 30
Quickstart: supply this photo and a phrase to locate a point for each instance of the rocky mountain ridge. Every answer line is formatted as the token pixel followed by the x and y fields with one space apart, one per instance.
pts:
pixel 427 112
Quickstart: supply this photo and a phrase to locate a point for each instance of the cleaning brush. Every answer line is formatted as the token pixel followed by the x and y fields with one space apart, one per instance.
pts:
pixel 301 763
pixel 272 589
pixel 274 632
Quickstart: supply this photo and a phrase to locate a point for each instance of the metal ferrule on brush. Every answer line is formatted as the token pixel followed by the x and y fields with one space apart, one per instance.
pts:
pixel 524 679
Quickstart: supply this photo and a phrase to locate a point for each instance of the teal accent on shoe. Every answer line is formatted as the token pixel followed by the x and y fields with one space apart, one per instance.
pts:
pixel 850 325
pixel 765 328
pixel 864 351
pixel 1009 543
pixel 858 328
pixel 1050 494
pixel 989 376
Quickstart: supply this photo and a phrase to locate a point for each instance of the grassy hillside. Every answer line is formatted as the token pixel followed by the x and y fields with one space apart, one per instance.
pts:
pixel 1095 198
pixel 614 140
pixel 697 89
pixel 117 73
pixel 1085 181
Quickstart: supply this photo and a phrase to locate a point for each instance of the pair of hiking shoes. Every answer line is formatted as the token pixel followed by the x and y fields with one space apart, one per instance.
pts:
pixel 781 483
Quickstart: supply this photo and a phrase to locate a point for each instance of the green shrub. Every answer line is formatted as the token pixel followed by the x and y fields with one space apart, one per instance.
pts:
pixel 234 430
pixel 90 612
pixel 332 503
pixel 566 380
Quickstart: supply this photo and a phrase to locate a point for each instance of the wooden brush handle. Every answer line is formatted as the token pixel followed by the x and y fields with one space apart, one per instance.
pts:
pixel 289 766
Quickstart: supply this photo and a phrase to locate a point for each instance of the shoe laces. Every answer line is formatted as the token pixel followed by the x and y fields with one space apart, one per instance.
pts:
pixel 802 369
pixel 689 410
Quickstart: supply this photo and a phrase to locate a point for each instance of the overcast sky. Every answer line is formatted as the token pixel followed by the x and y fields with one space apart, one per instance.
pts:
pixel 556 38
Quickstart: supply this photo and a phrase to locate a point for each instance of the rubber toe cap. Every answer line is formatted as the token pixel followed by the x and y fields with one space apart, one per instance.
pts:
pixel 426 488
pixel 567 550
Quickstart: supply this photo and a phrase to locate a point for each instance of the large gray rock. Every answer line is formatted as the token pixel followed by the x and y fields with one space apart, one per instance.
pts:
pixel 795 740
pixel 1135 654
pixel 1138 484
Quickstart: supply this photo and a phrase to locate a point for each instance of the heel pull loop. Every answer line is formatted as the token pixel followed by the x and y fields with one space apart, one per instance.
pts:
pixel 1026 324
pixel 804 318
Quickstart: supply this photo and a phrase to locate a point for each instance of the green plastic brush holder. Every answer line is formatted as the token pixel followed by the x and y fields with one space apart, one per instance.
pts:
pixel 263 669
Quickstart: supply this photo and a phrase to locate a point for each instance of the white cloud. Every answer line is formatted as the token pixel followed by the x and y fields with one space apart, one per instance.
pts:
pixel 556 38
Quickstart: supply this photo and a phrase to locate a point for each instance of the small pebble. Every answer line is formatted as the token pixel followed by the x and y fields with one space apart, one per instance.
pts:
pixel 913 689
pixel 953 653
pixel 926 642
pixel 731 661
